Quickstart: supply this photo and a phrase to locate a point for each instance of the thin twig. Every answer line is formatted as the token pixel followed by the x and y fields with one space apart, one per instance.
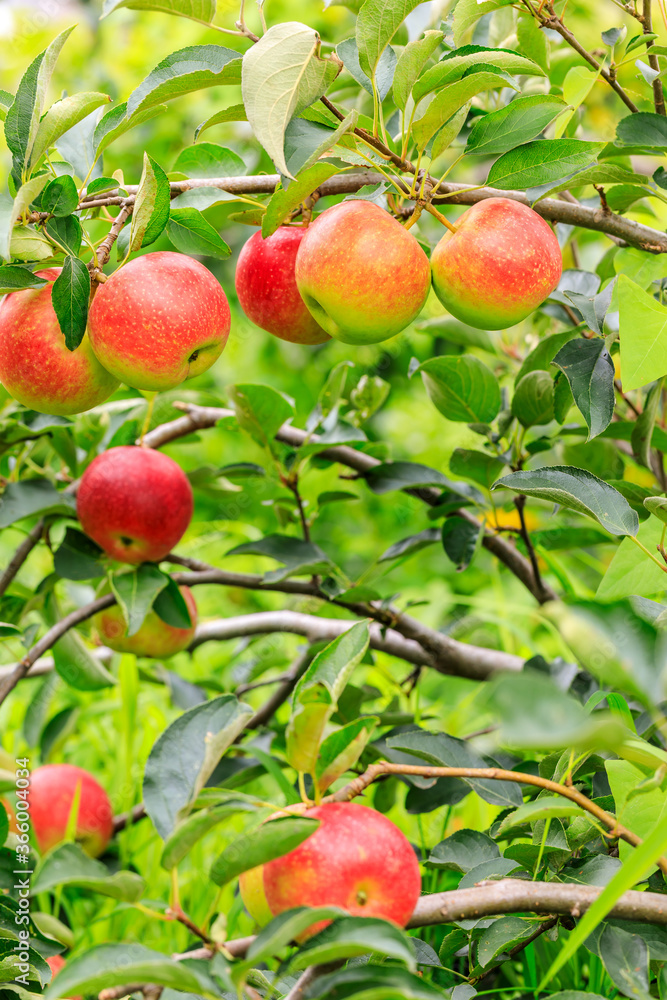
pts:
pixel 379 770
pixel 658 93
pixel 21 554
pixel 520 503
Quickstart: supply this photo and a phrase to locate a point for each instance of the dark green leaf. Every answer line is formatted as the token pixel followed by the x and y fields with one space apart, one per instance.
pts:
pixel 376 982
pixel 191 233
pixel 299 557
pixel 542 162
pixel 462 388
pixel 66 232
pixel 34 496
pixel 170 606
pixel 520 121
pixel 260 410
pixel 463 850
pixel 391 476
pixel 70 297
pixel 68 865
pixel 208 159
pixel 376 24
pixel 77 557
pixel 626 959
pixel 642 129
pixel 185 755
pixel 407 546
pixel 14 278
pixel 285 201
pixel 479 466
pixel 60 196
pixel 459 540
pixel 135 592
pixel 117 122
pixel 77 666
pixel 352 936
pixel 347 51
pixel 589 369
pixel 185 71
pixel 577 490
pixel 341 750
pixel 533 400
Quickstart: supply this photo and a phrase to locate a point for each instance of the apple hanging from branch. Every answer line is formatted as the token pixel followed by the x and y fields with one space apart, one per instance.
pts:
pixel 52 791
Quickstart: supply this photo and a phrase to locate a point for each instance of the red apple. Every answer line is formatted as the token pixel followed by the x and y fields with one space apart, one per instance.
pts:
pixel 357 859
pixel 499 265
pixel 266 287
pixel 35 366
pixel 155 637
pixel 158 320
pixel 134 502
pixel 362 275
pixel 52 790
pixel 55 963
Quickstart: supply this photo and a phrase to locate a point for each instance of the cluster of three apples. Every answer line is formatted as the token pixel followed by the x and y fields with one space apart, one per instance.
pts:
pixel 357 275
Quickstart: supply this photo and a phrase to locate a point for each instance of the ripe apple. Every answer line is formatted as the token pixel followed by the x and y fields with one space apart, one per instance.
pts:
pixel 155 638
pixel 158 320
pixel 361 274
pixel 266 287
pixel 134 502
pixel 499 265
pixel 52 790
pixel 35 366
pixel 357 859
pixel 55 963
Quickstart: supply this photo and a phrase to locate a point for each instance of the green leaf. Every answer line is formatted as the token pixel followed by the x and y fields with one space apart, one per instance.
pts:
pixel 170 606
pixel 542 162
pixel 186 754
pixel 642 129
pixel 446 134
pixel 520 121
pixel 287 926
pixel 191 233
pixel 29 245
pixel 61 117
pixel 60 196
pixel 283 74
pixel 643 334
pixel 108 965
pixel 642 431
pixel 25 195
pixel 462 388
pixel 298 556
pixel 264 843
pixel 577 490
pixel 547 349
pixel 283 202
pixel 208 159
pixel 66 233
pixel 451 98
pixel 391 476
pixel 459 540
pixel 77 557
pixel 235 113
pixel 23 117
pixel 411 62
pixel 589 369
pixel 317 693
pixel 34 496
pixel 260 410
pixel 352 936
pixel 77 666
pixel 376 982
pixel 643 267
pixel 117 122
pixel 631 572
pixel 532 39
pixel 183 72
pixel 533 400
pixel 151 206
pixel 70 298
pixel 13 278
pixel 69 865
pixel 479 466
pixel 198 10
pixel 197 825
pixel 342 749
pixel 348 52
pixel 377 23
pixel 468 12
pixel 626 959
pixel 414 543
pixel 544 807
pixel 638 864
pixel 135 592
pixel 6 101
pixel 463 850
pixel 467 60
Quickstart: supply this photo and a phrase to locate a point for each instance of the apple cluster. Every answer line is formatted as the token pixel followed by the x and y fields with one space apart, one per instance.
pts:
pixel 355 274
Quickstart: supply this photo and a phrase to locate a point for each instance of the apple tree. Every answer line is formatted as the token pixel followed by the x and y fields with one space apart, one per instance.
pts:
pixel 333 653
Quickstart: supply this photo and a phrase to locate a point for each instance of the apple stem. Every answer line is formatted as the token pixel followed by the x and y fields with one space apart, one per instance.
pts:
pixel 441 218
pixel 418 209
pixel 302 788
